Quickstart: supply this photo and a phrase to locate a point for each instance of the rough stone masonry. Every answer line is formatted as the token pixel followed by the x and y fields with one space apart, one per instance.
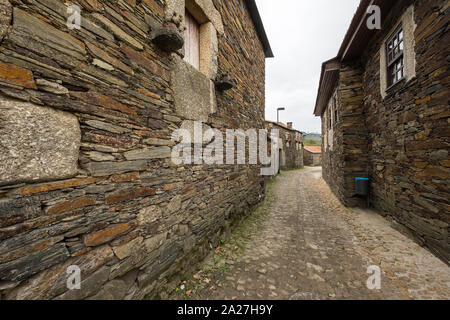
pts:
pixel 86 117
pixel 399 136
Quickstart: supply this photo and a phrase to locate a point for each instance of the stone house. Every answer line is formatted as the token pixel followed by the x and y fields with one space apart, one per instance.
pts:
pixel 87 112
pixel 384 104
pixel 289 144
pixel 312 155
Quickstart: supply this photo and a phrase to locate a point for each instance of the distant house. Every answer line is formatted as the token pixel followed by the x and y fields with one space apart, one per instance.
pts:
pixel 290 145
pixel 383 101
pixel 312 156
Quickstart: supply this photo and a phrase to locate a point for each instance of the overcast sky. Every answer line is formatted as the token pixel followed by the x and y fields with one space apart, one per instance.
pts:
pixel 302 34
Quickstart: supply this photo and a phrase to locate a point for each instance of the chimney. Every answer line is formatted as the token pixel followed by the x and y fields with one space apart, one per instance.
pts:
pixel 289 124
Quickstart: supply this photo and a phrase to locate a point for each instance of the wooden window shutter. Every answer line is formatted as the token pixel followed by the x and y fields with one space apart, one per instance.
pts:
pixel 192 41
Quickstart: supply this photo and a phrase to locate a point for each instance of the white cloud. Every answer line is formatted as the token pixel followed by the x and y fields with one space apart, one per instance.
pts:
pixel 302 34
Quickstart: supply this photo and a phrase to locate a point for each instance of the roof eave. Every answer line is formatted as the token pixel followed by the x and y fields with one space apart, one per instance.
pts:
pixel 355 41
pixel 358 34
pixel 282 125
pixel 328 79
pixel 256 17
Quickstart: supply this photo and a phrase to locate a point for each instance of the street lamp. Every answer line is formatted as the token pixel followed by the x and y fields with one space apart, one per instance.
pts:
pixel 278 113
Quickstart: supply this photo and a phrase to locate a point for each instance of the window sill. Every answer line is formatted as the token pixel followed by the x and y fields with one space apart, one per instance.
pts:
pixel 399 87
pixel 194 70
pixel 393 89
pixel 193 92
pixel 402 80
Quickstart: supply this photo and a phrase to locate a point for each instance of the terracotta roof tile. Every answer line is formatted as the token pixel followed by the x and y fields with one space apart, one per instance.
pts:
pixel 313 149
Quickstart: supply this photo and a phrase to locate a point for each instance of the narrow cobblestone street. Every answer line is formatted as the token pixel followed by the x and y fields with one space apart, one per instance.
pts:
pixel 309 246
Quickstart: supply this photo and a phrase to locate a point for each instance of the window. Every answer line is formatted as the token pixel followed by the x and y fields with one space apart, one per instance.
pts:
pixel 398 54
pixel 192 41
pixel 395 57
pixel 329 116
pixel 335 109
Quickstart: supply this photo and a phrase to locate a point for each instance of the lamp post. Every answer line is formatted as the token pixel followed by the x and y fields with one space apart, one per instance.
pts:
pixel 278 113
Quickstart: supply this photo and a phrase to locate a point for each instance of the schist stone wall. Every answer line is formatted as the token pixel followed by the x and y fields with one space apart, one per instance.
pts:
pixel 400 137
pixel 409 129
pixel 290 146
pixel 344 148
pixel 86 118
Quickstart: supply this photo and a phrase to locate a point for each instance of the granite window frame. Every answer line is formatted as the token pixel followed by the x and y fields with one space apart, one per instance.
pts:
pixel 330 114
pixel 395 57
pixel 335 104
pixel 211 27
pixel 408 25
pixel 194 88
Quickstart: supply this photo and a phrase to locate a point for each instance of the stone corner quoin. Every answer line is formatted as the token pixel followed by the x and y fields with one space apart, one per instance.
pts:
pixel 86 119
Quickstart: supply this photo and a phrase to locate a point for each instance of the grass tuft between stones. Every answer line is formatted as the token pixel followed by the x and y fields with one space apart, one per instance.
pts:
pixel 229 250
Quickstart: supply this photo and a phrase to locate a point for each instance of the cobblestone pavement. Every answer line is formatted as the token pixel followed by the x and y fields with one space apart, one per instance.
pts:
pixel 308 246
